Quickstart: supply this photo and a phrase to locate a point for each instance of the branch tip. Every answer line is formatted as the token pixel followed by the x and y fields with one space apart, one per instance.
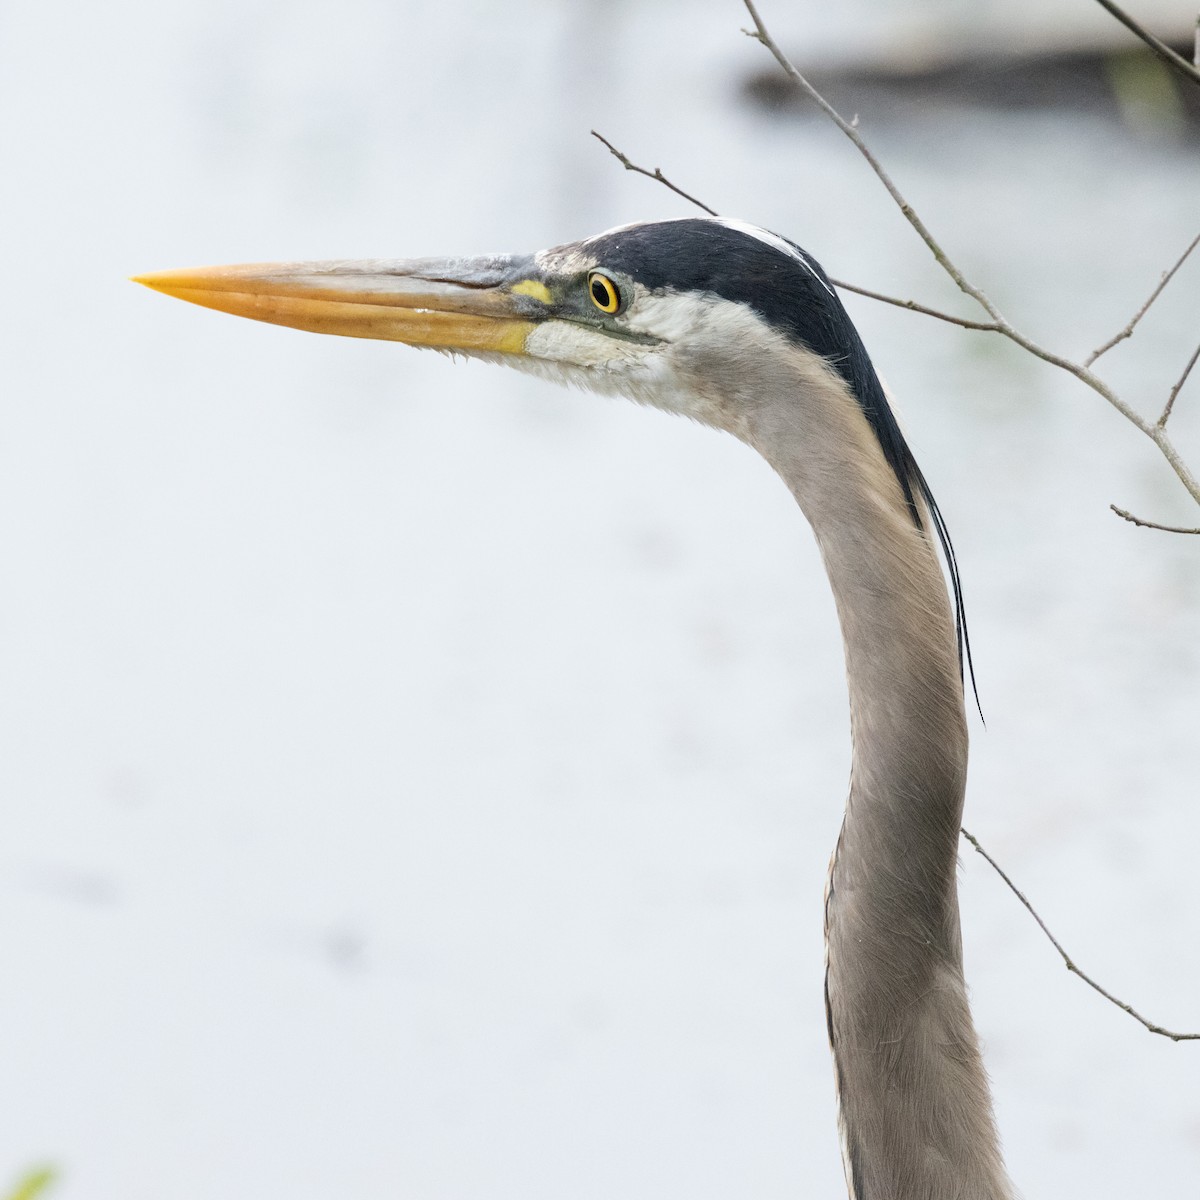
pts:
pixel 1187 370
pixel 1128 516
pixel 1166 278
pixel 656 174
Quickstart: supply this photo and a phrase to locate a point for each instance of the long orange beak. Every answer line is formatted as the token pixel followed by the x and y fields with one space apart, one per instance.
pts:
pixel 481 304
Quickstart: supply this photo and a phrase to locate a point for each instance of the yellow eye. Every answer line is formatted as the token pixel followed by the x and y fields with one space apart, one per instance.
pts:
pixel 603 292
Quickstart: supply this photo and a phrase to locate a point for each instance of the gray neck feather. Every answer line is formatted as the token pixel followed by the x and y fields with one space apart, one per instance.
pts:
pixel 914 1105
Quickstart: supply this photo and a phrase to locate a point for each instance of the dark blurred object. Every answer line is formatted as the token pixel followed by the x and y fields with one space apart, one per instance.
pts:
pixel 1130 87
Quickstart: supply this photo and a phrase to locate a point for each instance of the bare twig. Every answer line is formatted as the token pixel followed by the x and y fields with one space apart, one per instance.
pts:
pixel 998 324
pixel 1177 61
pixel 1070 964
pixel 655 174
pixel 1141 312
pixel 849 128
pixel 1156 432
pixel 1128 516
pixel 1166 412
pixel 913 306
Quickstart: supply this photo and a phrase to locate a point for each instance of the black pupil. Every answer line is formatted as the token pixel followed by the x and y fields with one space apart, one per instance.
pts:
pixel 602 292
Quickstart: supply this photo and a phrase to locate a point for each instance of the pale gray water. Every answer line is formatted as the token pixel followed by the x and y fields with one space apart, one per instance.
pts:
pixel 419 782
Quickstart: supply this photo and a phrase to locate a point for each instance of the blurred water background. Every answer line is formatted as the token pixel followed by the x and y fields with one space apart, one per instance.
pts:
pixel 418 781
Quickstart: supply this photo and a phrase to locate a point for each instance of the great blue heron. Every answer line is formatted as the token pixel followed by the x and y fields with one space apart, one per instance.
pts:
pixel 740 329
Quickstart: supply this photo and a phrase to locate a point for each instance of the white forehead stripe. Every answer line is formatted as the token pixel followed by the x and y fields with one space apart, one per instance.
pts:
pixel 776 242
pixel 763 235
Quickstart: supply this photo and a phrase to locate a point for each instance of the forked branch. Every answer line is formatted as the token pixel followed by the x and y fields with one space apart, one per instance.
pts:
pixel 998 324
pixel 1154 430
pixel 1157 433
pixel 658 176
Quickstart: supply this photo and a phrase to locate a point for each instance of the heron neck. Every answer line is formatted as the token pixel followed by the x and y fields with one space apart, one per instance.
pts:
pixel 914 1106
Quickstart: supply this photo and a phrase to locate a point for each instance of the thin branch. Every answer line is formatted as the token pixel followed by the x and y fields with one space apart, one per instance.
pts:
pixel 998 324
pixel 1070 964
pixel 1166 412
pixel 1128 516
pixel 655 174
pixel 1177 61
pixel 913 306
pixel 1141 312
pixel 1155 432
pixel 760 34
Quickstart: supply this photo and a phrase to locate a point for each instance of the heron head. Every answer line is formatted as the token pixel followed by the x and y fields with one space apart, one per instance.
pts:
pixel 676 314
pixel 721 321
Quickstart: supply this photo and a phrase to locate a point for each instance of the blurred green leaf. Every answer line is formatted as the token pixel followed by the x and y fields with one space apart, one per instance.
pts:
pixel 1147 93
pixel 32 1184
